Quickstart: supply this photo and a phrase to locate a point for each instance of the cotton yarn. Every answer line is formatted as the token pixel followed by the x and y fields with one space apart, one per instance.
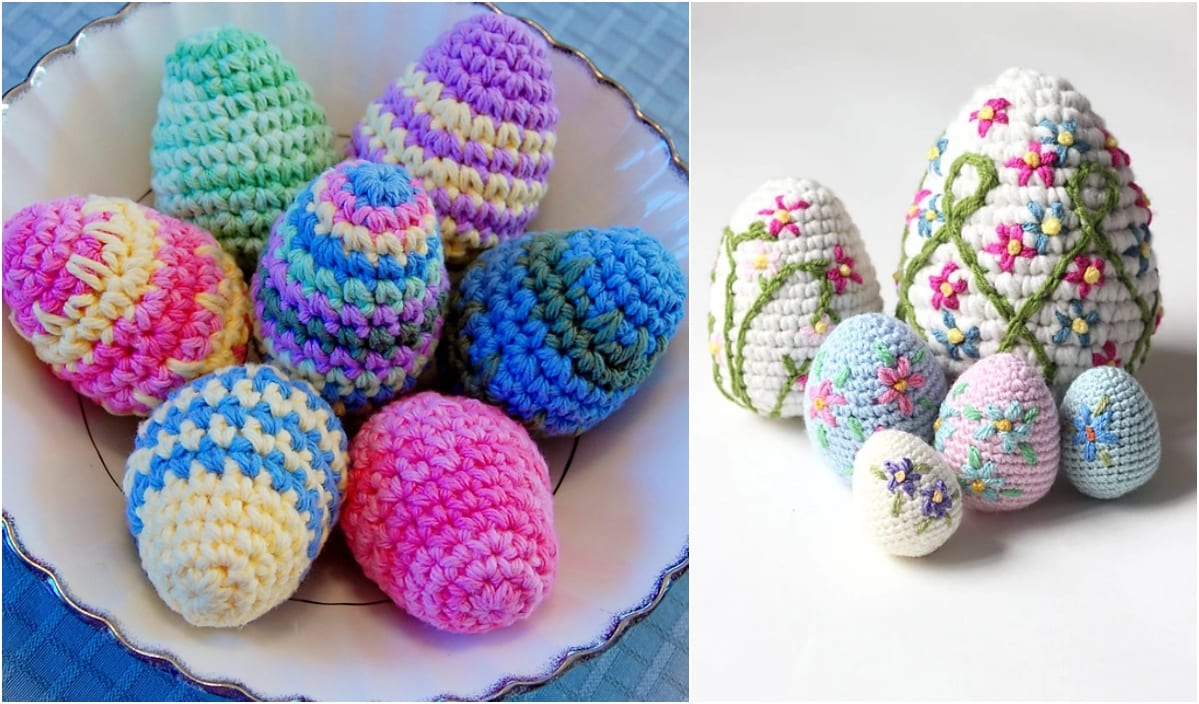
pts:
pixel 449 511
pixel 237 134
pixel 351 290
pixel 791 265
pixel 559 329
pixel 1028 234
pixel 123 302
pixel 232 488
pixel 474 118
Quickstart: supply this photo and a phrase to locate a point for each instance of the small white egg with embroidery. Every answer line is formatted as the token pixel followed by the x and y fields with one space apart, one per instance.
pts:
pixel 905 494
pixel 1111 442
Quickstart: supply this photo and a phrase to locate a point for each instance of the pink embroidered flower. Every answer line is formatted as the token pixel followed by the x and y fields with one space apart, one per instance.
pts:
pixel 1037 160
pixel 801 382
pixel 842 271
pixel 782 216
pixel 899 381
pixel 1142 201
pixel 1107 358
pixel 945 292
pixel 1157 320
pixel 757 260
pixel 1010 245
pixel 1088 272
pixel 815 333
pixel 992 111
pixel 1120 157
pixel 823 402
pixel 716 348
pixel 914 209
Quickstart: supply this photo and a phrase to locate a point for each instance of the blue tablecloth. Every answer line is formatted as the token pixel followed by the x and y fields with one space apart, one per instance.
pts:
pixel 52 653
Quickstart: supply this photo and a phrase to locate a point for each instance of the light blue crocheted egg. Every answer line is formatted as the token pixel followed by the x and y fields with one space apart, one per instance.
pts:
pixel 872 373
pixel 1111 443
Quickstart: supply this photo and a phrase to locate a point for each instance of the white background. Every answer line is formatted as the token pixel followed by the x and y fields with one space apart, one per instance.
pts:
pixel 1070 598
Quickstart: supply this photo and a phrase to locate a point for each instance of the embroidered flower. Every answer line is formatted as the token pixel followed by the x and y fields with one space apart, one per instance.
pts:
pixel 899 382
pixel 782 216
pixel 979 478
pixel 1087 272
pixel 1120 157
pixel 1010 245
pixel 1141 249
pixel 1036 160
pixel 814 334
pixel 1108 357
pixel 902 476
pixel 945 292
pixel 914 209
pixel 937 500
pixel 929 216
pixel 1064 137
pixel 1157 319
pixel 842 271
pixel 757 260
pixel 1142 201
pixel 992 111
pixel 1076 322
pixel 943 429
pixel 1009 425
pixel 935 153
pixel 823 402
pixel 1048 223
pixel 955 339
pixel 716 348
pixel 1091 431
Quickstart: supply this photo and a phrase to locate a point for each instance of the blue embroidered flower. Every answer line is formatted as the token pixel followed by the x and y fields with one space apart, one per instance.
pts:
pixel 979 478
pixel 1009 425
pixel 937 500
pixel 1091 431
pixel 942 428
pixel 930 215
pixel 1063 137
pixel 934 155
pixel 1048 224
pixel 901 475
pixel 1076 323
pixel 955 339
pixel 1141 248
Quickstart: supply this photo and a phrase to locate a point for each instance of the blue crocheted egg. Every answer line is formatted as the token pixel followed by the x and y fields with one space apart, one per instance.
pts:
pixel 232 488
pixel 560 328
pixel 872 373
pixel 1111 443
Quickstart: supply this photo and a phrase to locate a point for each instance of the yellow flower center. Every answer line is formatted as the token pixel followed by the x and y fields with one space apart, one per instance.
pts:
pixel 1065 138
pixel 946 289
pixel 760 261
pixel 821 327
pixel 845 270
pixel 1003 425
pixel 714 348
pixel 900 476
pixel 913 210
pixel 900 386
pixel 937 496
pixel 1111 142
pixel 1033 159
pixel 1145 200
pixel 933 153
pixel 978 486
pixel 955 336
pixel 1014 247
pixel 1051 226
pixel 1091 275
pixel 783 216
pixel 1145 250
pixel 987 113
pixel 930 215
pixel 936 424
pixel 1080 326
pixel 819 403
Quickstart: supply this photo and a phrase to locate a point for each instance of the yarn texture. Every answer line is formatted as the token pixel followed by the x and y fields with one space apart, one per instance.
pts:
pixel 351 291
pixel 998 428
pixel 872 373
pixel 474 118
pixel 449 510
pixel 1028 234
pixel 123 302
pixel 791 266
pixel 1111 442
pixel 559 329
pixel 232 488
pixel 237 134
pixel 905 494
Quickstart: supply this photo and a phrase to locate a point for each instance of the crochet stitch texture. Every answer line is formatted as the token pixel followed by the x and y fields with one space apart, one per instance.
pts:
pixel 237 134
pixel 1029 235
pixel 449 510
pixel 123 302
pixel 232 488
pixel 560 328
pixel 475 119
pixel 351 291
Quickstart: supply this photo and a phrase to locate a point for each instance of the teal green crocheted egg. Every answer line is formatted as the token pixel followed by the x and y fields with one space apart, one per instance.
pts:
pixel 1111 443
pixel 238 134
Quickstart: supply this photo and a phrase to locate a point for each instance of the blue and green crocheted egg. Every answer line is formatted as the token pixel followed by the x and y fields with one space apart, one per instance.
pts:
pixel 872 373
pixel 560 328
pixel 1111 443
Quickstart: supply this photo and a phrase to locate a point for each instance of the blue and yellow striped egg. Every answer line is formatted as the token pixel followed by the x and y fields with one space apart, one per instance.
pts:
pixel 232 488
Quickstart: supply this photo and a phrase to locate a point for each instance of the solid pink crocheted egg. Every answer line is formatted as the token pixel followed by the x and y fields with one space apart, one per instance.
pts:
pixel 998 428
pixel 449 511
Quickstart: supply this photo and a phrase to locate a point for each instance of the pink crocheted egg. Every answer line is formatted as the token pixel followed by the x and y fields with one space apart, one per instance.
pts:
pixel 449 510
pixel 124 303
pixel 998 428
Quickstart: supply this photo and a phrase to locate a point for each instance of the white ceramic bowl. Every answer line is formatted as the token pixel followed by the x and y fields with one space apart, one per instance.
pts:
pixel 83 124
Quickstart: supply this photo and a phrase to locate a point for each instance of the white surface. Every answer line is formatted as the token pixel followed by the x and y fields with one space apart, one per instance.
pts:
pixel 1071 598
pixel 621 513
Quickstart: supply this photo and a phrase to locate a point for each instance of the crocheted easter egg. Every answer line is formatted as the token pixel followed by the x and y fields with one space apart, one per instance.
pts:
pixel 1029 235
pixel 1111 443
pixel 232 488
pixel 559 329
pixel 474 118
pixel 905 494
pixel 449 510
pixel 791 266
pixel 237 134
pixel 351 290
pixel 998 428
pixel 872 373
pixel 123 302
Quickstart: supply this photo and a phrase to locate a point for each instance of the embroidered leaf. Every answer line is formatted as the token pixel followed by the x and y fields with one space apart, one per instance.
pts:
pixel 818 364
pixel 1011 493
pixel 1031 414
pixel 974 458
pixel 971 412
pixel 959 389
pixel 841 378
pixel 917 355
pixel 925 403
pixel 1030 455
pixel 834 315
pixel 822 436
pixel 1102 405
pixel 954 494
pixel 895 503
pixel 816 267
pixel 856 428
pixel 884 354
pixel 1107 459
pixel 878 473
pixel 923 525
pixel 923 468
